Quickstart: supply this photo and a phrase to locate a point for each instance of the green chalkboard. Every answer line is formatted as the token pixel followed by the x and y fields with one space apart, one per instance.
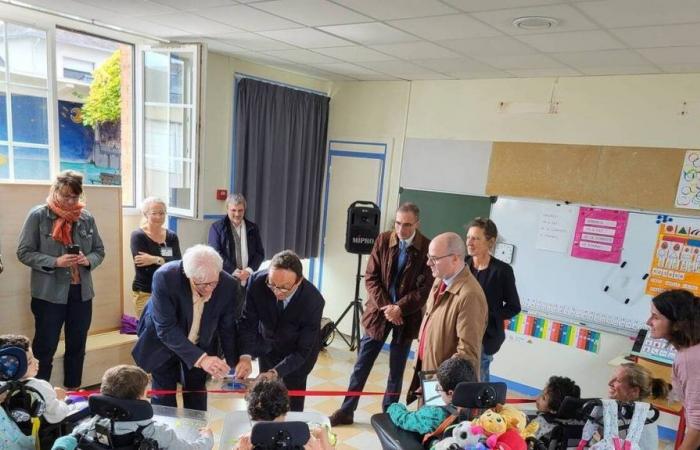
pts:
pixel 440 212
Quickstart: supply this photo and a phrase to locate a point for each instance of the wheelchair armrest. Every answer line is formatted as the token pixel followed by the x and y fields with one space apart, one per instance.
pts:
pixel 392 437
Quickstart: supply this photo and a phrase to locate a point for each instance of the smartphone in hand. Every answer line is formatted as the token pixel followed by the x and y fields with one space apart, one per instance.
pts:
pixel 73 249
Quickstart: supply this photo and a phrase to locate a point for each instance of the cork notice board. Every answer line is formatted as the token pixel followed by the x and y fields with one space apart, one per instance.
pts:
pixel 626 177
pixel 104 203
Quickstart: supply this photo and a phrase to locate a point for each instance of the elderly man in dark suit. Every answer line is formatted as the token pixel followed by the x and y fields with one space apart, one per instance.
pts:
pixel 192 300
pixel 281 324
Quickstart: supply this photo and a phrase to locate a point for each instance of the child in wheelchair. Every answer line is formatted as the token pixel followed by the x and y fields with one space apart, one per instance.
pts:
pixel 124 419
pixel 31 407
pixel 549 402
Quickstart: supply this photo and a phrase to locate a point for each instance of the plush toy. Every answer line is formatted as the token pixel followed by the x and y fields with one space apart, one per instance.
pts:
pixel 491 424
pixel 510 440
pixel 463 435
pixel 517 419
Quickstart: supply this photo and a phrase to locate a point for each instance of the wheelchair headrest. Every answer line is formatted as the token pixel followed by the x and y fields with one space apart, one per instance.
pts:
pixel 274 435
pixel 119 409
pixel 479 395
pixel 13 363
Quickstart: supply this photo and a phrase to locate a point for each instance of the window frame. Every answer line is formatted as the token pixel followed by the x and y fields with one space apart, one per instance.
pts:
pixel 199 53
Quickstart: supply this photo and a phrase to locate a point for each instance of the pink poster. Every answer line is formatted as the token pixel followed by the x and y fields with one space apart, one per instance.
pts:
pixel 600 234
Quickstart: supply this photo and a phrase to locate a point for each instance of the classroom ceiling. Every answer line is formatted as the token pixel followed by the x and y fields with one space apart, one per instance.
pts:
pixel 422 39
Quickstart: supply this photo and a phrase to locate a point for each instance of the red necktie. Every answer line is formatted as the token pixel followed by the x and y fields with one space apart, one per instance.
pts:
pixel 441 289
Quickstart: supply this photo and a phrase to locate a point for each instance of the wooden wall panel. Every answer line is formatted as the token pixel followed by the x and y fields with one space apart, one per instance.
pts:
pixel 104 203
pixel 629 177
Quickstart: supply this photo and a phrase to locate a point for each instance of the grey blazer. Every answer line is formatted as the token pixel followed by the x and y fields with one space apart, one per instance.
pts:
pixel 38 250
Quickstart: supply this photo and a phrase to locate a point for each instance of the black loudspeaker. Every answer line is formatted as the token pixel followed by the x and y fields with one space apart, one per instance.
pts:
pixel 362 227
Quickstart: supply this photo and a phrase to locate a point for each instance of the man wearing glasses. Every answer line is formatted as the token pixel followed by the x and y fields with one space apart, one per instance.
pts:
pixel 456 310
pixel 397 282
pixel 281 324
pixel 192 300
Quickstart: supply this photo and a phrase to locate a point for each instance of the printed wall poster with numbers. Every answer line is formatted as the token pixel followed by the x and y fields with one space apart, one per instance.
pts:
pixel 600 234
pixel 688 194
pixel 676 260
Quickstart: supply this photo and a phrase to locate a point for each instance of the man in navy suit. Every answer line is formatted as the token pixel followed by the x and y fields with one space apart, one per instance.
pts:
pixel 281 324
pixel 192 300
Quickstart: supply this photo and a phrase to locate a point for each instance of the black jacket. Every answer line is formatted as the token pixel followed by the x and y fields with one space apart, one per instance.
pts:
pixel 221 239
pixel 498 283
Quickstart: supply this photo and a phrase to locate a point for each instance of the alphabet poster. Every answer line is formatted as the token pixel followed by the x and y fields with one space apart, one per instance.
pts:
pixel 676 260
pixel 600 234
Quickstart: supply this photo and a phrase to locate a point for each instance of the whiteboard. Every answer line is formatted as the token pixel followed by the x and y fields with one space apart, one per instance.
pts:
pixel 560 286
pixel 445 165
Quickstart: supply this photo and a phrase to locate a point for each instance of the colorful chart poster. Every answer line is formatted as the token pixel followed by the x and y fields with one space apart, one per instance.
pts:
pixel 599 234
pixel 676 260
pixel 551 330
pixel 688 194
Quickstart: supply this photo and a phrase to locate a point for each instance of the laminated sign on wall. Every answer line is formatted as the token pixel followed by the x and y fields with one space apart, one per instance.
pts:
pixel 676 259
pixel 600 234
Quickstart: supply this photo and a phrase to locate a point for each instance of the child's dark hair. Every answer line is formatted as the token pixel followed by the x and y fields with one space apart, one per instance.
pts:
pixel 559 387
pixel 124 381
pixel 453 371
pixel 15 340
pixel 267 400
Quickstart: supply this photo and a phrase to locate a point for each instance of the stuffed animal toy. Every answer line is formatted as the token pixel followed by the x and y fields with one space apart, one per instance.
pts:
pixel 517 419
pixel 491 424
pixel 462 434
pixel 510 440
pixel 449 443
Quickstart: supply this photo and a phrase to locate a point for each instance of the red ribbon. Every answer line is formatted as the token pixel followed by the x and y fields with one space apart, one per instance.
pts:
pixel 292 393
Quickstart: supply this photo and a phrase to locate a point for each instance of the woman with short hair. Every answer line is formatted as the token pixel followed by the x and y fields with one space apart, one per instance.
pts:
pixel 152 245
pixel 675 316
pixel 498 282
pixel 60 242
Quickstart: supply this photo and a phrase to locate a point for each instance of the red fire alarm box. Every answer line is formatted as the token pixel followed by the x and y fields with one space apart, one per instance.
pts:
pixel 221 194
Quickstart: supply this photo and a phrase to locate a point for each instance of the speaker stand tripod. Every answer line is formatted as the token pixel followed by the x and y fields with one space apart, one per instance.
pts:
pixel 357 311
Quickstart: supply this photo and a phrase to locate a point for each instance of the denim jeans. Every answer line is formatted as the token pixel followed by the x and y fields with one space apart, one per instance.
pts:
pixel 484 372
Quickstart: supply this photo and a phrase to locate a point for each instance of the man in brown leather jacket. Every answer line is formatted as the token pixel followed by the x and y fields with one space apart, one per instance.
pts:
pixel 397 281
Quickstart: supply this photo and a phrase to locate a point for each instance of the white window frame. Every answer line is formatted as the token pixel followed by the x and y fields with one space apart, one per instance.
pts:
pixel 195 126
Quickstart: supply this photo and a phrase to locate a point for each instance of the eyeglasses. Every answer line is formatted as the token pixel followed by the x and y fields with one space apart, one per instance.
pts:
pixel 439 388
pixel 435 259
pixel 281 290
pixel 210 284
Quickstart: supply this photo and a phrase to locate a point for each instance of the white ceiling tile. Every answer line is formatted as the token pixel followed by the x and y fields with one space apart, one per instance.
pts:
pixel 398 9
pixel 455 26
pixel 397 68
pixel 351 70
pixel 188 5
pixel 632 13
pixel 603 58
pixel 312 12
pixel 326 75
pixel 306 38
pixel 536 61
pixel 146 27
pixel 423 76
pixel 485 5
pixel 246 18
pixel 355 54
pixel 619 70
pixel 415 50
pixel 134 8
pixel 253 41
pixel 489 74
pixel 498 45
pixel 569 19
pixel 535 73
pixel 301 56
pixel 192 24
pixel 449 66
pixel 370 33
pixel 222 47
pixel 672 55
pixel 661 36
pixel 573 41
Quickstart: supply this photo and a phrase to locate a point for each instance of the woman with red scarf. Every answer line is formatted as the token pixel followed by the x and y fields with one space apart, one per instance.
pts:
pixel 60 242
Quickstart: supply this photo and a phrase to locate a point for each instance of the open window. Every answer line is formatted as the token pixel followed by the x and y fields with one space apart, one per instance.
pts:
pixel 169 118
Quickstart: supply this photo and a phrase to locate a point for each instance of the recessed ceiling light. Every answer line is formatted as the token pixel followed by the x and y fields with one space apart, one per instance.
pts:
pixel 535 22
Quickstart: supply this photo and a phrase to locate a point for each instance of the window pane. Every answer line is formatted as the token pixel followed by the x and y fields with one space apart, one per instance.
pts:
pixel 180 188
pixel 181 69
pixel 29 119
pixel 3 114
pixel 27 55
pixel 31 163
pixel 4 162
pixel 180 123
pixel 156 77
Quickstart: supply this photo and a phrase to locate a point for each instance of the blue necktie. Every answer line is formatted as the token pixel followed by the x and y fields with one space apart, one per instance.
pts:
pixel 400 264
